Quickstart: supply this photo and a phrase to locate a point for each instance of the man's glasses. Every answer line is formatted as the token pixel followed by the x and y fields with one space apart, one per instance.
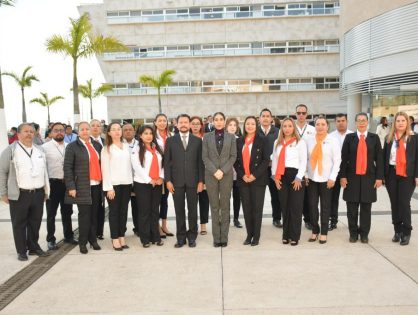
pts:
pixel 301 113
pixel 58 130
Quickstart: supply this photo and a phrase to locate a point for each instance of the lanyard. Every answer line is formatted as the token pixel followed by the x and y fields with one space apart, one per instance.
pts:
pixel 303 131
pixel 31 151
pixel 62 154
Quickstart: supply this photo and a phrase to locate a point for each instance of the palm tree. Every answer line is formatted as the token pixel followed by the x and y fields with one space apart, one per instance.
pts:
pixel 24 81
pixel 7 3
pixel 45 101
pixel 164 79
pixel 80 43
pixel 87 91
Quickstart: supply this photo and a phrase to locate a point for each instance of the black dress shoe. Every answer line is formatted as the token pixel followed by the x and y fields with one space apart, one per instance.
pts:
pixel 160 243
pixel 100 237
pixel 217 244
pixel 405 239
pixel 71 241
pixel 52 245
pixel 364 239
pixel 332 226
pixel 396 238
pixel 277 223
pixel 254 243
pixel 179 245
pixel 38 252
pixel 247 241
pixel 192 243
pixel 95 246
pixel 118 249
pixel 237 224
pixel 294 243
pixel 353 239
pixel 308 225
pixel 83 249
pixel 146 245
pixel 22 257
pixel 224 244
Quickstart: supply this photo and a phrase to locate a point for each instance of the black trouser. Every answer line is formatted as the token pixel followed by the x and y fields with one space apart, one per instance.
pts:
pixel 306 207
pixel 319 192
pixel 148 201
pixel 179 196
pixel 365 218
pixel 335 201
pixel 26 216
pixel 134 211
pixel 400 190
pixel 236 199
pixel 87 217
pixel 100 215
pixel 118 210
pixel 204 207
pixel 291 202
pixel 56 198
pixel 252 198
pixel 164 204
pixel 274 199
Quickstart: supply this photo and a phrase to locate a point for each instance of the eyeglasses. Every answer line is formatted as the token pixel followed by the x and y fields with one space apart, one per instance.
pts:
pixel 58 130
pixel 196 124
pixel 301 113
pixel 362 121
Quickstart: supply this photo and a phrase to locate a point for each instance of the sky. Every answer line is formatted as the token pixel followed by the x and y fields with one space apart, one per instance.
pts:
pixel 24 30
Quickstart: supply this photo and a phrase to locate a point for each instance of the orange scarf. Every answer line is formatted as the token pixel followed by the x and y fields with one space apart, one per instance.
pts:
pixel 401 158
pixel 361 159
pixel 246 155
pixel 154 171
pixel 316 155
pixel 164 136
pixel 95 173
pixel 282 157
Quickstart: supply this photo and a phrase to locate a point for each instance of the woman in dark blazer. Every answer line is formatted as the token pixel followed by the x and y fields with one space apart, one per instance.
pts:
pixel 401 174
pixel 252 177
pixel 83 178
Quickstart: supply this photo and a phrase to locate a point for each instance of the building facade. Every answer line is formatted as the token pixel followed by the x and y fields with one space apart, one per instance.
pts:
pixel 235 56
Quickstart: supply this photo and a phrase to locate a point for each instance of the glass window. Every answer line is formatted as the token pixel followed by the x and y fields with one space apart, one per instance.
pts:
pixel 232 45
pixel 219 46
pixel 231 9
pixel 207 46
pixel 123 13
pixel 171 48
pixel 135 13
pixel 112 13
pixel 194 10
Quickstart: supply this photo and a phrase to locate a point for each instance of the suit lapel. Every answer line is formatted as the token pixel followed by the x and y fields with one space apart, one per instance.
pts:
pixel 177 138
pixel 254 149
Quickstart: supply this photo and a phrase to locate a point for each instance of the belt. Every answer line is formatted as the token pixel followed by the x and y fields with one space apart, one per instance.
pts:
pixel 31 190
pixel 56 180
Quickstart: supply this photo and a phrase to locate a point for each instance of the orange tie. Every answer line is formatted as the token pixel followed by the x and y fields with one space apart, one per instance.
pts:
pixel 361 161
pixel 282 157
pixel 95 173
pixel 246 155
pixel 401 158
pixel 316 155
pixel 154 171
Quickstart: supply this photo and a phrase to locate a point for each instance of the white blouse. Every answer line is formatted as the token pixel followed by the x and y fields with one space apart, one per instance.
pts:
pixel 116 166
pixel 141 173
pixel 295 157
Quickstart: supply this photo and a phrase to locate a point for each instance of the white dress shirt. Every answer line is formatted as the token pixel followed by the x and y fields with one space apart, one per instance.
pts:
pixel 331 160
pixel 54 153
pixel 141 173
pixel 359 134
pixel 30 166
pixel 393 149
pixel 160 140
pixel 187 137
pixel 98 139
pixel 340 136
pixel 92 182
pixel 131 144
pixel 306 132
pixel 116 166
pixel 295 157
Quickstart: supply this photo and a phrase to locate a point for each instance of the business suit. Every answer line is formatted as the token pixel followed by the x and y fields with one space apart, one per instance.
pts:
pixel 400 189
pixel 184 168
pixel 360 189
pixel 252 194
pixel 219 191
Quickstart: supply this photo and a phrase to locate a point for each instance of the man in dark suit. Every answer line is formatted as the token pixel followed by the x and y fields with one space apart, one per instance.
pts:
pixel 271 133
pixel 209 125
pixel 361 174
pixel 184 174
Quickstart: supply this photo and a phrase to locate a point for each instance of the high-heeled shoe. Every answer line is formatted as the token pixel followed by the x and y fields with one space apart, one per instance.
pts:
pixel 116 248
pixel 322 241
pixel 313 239
pixel 167 233
pixel 285 242
pixel 95 246
pixel 125 246
pixel 146 245
pixel 294 243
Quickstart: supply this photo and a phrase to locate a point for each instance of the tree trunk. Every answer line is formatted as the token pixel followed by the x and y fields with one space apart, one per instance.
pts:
pixel 75 92
pixel 1 93
pixel 160 110
pixel 91 109
pixel 49 119
pixel 3 130
pixel 23 106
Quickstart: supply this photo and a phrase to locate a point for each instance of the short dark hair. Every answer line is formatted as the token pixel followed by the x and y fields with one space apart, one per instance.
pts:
pixel 265 110
pixel 35 126
pixel 339 115
pixel 321 117
pixel 362 114
pixel 184 116
pixel 301 105
pixel 68 126
pixel 20 127
pixel 14 129
pixel 56 124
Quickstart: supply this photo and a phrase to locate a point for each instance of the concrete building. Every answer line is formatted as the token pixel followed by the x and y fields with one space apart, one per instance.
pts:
pixel 379 56
pixel 235 56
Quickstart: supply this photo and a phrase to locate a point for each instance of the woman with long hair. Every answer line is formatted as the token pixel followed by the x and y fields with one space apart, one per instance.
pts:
pixel 288 170
pixel 252 178
pixel 117 183
pixel 198 129
pixel 382 129
pixel 401 174
pixel 147 164
pixel 232 127
pixel 161 135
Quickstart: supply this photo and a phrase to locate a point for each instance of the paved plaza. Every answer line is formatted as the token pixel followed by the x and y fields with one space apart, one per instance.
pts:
pixel 336 278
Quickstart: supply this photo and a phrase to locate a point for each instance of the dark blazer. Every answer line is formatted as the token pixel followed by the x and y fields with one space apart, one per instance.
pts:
pixel 259 161
pixel 213 160
pixel 209 128
pixel 270 137
pixel 183 167
pixel 77 171
pixel 360 188
pixel 411 156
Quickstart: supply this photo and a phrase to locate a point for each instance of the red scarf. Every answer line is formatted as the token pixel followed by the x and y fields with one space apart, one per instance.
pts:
pixel 281 161
pixel 361 161
pixel 401 158
pixel 164 136
pixel 95 173
pixel 154 171
pixel 246 157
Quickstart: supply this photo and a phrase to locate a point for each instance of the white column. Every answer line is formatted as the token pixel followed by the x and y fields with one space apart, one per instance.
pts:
pixel 353 108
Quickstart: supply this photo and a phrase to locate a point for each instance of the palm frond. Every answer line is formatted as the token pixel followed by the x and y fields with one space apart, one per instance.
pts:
pixel 40 101
pixel 149 81
pixel 102 89
pixel 58 44
pixel 9 3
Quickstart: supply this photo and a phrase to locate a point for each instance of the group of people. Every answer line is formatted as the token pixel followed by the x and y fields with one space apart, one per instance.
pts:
pixel 304 167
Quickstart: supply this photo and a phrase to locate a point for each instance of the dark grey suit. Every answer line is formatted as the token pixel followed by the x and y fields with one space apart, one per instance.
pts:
pixel 184 168
pixel 219 192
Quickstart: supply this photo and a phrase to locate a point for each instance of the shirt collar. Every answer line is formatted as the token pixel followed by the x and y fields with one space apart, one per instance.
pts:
pixel 266 131
pixel 184 134
pixel 359 134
